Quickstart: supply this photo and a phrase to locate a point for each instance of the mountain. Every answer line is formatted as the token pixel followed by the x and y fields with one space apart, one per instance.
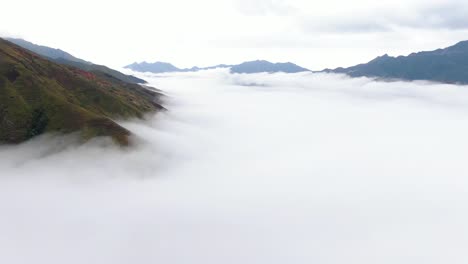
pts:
pixel 266 66
pixel 38 95
pixel 157 67
pixel 257 66
pixel 164 67
pixel 46 51
pixel 102 69
pixel 449 65
pixel 63 57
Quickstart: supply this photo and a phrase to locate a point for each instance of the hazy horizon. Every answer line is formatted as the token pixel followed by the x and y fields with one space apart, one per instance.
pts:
pixel 313 34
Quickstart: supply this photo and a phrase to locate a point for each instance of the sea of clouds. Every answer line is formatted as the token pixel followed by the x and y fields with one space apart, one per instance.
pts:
pixel 252 169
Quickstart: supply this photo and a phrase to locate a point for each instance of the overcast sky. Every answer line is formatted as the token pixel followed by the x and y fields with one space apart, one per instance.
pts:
pixel 314 34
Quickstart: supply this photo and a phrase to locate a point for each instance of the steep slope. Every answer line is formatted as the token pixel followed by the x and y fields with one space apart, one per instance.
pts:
pixel 449 65
pixel 38 96
pixel 95 68
pixel 63 57
pixel 46 51
pixel 246 67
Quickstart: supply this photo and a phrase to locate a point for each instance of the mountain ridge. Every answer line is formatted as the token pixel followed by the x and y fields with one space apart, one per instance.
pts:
pixel 40 96
pixel 48 52
pixel 447 65
pixel 63 57
pixel 256 66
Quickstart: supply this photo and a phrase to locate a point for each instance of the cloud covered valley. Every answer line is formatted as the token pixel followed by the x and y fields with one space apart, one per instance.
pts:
pixel 259 168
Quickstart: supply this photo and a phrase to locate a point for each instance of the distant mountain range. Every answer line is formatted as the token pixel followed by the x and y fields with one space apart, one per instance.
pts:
pixel 257 66
pixel 66 58
pixel 38 95
pixel 449 65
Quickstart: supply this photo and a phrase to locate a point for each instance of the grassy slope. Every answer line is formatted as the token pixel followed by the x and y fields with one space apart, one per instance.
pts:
pixel 63 57
pixel 101 68
pixel 37 96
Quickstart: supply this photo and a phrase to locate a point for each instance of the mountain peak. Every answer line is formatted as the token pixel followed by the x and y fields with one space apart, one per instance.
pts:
pixel 461 46
pixel 255 66
pixel 154 67
pixel 448 65
pixel 45 51
pixel 259 66
pixel 62 57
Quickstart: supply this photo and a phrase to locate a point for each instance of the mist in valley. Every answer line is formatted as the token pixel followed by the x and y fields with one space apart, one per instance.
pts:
pixel 257 168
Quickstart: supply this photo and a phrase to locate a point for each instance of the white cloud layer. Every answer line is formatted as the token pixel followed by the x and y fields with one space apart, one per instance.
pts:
pixel 304 168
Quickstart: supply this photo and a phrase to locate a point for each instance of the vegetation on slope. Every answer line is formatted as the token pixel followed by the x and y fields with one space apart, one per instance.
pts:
pixel 38 96
pixel 63 57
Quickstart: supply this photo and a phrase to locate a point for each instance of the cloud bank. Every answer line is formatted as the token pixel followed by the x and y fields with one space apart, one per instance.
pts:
pixel 265 168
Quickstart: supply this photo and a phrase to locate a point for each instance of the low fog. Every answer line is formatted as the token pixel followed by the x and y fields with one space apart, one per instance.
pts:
pixel 265 168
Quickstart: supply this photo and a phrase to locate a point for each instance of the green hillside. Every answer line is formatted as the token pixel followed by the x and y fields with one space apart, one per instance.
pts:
pixel 66 58
pixel 38 96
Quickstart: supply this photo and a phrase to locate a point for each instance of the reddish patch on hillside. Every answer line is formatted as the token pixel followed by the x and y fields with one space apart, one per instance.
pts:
pixel 91 76
pixel 85 74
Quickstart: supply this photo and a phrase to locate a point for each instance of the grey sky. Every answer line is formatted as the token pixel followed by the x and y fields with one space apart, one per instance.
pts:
pixel 315 34
pixel 448 16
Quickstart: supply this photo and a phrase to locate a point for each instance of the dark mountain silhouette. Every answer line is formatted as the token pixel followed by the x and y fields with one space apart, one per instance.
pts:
pixel 449 65
pixel 156 67
pixel 38 95
pixel 257 66
pixel 266 66
pixel 63 57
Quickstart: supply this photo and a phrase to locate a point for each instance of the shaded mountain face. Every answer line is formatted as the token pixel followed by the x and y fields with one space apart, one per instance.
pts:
pixel 449 65
pixel 246 67
pixel 63 57
pixel 38 95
